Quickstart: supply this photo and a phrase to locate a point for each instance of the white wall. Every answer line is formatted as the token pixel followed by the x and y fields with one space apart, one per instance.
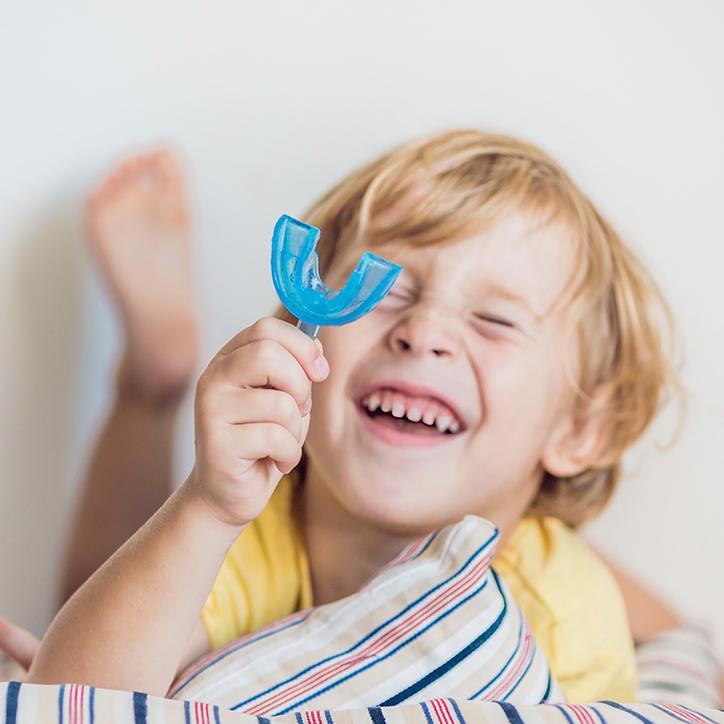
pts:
pixel 272 101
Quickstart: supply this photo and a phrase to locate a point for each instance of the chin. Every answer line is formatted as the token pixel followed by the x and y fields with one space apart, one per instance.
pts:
pixel 395 507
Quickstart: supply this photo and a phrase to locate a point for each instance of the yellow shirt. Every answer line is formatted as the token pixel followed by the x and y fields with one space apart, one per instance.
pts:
pixel 571 600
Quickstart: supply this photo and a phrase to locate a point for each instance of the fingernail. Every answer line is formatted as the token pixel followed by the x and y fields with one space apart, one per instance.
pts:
pixel 319 344
pixel 321 368
pixel 307 407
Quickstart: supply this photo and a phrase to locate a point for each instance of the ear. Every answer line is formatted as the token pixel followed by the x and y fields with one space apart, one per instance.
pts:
pixel 575 442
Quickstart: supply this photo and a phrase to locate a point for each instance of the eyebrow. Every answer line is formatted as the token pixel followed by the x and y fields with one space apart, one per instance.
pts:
pixel 501 292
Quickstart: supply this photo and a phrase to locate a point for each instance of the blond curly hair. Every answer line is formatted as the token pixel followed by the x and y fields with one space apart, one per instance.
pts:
pixel 621 328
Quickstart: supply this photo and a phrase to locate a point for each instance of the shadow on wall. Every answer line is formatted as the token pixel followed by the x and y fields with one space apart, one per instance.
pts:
pixel 44 350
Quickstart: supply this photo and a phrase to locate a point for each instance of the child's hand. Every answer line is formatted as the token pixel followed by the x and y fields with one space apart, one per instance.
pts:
pixel 252 416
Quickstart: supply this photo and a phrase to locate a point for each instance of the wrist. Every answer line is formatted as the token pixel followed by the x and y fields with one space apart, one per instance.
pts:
pixel 198 508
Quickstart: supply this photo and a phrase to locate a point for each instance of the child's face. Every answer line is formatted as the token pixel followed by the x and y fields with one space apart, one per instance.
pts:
pixel 470 338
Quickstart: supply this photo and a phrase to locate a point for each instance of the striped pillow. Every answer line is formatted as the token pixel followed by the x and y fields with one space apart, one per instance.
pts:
pixel 437 621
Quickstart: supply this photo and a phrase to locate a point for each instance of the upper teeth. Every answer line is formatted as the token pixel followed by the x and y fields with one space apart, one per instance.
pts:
pixel 441 420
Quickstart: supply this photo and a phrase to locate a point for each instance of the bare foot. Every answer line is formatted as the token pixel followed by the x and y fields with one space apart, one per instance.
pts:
pixel 138 221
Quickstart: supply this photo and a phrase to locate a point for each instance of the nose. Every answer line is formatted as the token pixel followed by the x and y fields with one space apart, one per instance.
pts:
pixel 425 331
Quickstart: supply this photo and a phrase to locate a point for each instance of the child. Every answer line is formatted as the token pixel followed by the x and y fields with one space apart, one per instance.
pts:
pixel 514 362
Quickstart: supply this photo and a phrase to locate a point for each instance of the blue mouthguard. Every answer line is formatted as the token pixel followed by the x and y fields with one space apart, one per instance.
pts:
pixel 295 271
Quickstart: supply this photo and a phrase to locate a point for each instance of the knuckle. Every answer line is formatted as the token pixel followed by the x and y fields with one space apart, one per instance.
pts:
pixel 275 436
pixel 265 350
pixel 264 327
pixel 285 408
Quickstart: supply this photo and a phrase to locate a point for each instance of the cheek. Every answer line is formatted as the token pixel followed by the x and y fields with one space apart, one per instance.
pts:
pixel 520 385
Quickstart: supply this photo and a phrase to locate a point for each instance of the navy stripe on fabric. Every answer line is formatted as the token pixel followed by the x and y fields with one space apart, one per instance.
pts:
pixel 674 715
pixel 187 712
pixel 427 594
pixel 523 674
pixel 379 659
pixel 376 715
pixel 92 704
pixel 217 719
pixel 11 702
pixel 664 710
pixel 140 707
pixel 263 720
pixel 563 711
pixel 299 719
pixel 547 692
pixel 695 713
pixel 458 713
pixel 450 664
pixel 328 716
pixel 510 712
pixel 426 712
pixel 61 697
pixel 600 716
pixel 252 639
pixel 516 650
pixel 621 707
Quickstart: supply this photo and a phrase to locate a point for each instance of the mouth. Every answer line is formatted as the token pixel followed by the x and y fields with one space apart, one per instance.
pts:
pixel 409 415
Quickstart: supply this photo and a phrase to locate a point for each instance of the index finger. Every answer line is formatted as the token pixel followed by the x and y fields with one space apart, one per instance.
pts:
pixel 305 350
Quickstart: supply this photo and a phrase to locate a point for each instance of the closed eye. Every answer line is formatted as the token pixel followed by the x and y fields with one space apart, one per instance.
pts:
pixel 499 321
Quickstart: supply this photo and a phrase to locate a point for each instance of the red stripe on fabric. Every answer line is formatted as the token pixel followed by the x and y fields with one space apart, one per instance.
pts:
pixel 448 713
pixel 74 704
pixel 388 638
pixel 82 702
pixel 371 649
pixel 582 713
pixel 441 711
pixel 690 715
pixel 514 673
pixel 214 656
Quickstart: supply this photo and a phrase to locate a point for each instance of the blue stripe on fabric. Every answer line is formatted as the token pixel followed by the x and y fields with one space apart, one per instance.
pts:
pixel 262 720
pixel 298 718
pixel 382 626
pixel 450 664
pixel 426 712
pixel 376 715
pixel 61 697
pixel 670 713
pixel 11 702
pixel 523 674
pixel 234 649
pixel 426 546
pixel 621 707
pixel 547 692
pixel 601 718
pixel 187 712
pixel 392 652
pixel 515 652
pixel 140 707
pixel 696 713
pixel 563 711
pixel 328 716
pixel 217 719
pixel 674 715
pixel 458 713
pixel 92 704
pixel 511 713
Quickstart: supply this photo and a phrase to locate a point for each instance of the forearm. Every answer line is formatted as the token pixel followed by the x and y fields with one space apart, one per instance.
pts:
pixel 128 626
pixel 128 479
